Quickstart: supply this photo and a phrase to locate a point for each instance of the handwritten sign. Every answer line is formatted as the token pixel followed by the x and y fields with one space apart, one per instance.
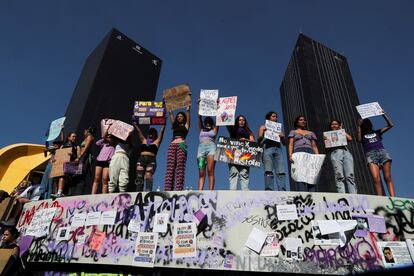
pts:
pixel 208 102
pixel 273 130
pixel 233 151
pixel 369 110
pixel 145 248
pixel 61 156
pixel 39 226
pixel 149 113
pixel 306 167
pixel 177 97
pixel 184 240
pixel 120 129
pixel 226 112
pixel 55 129
pixel 335 138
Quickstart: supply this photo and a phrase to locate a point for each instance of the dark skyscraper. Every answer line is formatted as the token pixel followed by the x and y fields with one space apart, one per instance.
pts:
pixel 319 85
pixel 118 72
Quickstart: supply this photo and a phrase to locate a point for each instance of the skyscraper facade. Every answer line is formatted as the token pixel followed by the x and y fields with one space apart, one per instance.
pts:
pixel 318 84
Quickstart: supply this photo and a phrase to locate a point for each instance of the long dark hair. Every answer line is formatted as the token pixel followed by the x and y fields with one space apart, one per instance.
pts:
pixel 176 123
pixel 366 127
pixel 295 123
pixel 246 125
pixel 269 114
pixel 153 133
pixel 67 137
pixel 208 120
pixel 333 120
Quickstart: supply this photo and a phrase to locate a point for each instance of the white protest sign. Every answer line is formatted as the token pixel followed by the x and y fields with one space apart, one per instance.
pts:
pixel 208 102
pixel 145 249
pixel 134 225
pixel 306 167
pixel 78 220
pixel 394 254
pixel 256 240
pixel 160 223
pixel 226 111
pixel 93 218
pixel 108 218
pixel 369 110
pixel 55 128
pixel 273 130
pixel 39 226
pixel 287 212
pixel 184 240
pixel 335 138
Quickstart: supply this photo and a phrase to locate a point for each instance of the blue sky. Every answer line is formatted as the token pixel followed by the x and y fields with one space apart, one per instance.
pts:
pixel 239 47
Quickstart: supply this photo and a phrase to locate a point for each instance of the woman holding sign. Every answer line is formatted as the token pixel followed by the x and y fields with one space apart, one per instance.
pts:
pixel 272 157
pixel 342 162
pixel 206 151
pixel 302 140
pixel 377 156
pixel 177 151
pixel 241 132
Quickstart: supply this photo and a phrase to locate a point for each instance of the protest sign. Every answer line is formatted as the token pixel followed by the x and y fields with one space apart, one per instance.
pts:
pixel 293 249
pixel 120 129
pixel 256 240
pixel 108 218
pixel 226 111
pixel 331 232
pixel 273 130
pixel 394 254
pixel 236 152
pixel 134 225
pixel 145 249
pixel 335 138
pixel 55 128
pixel 61 156
pixel 161 223
pixel 286 212
pixel 369 110
pixel 362 227
pixel 105 124
pixel 208 102
pixel 177 97
pixel 149 113
pixel 93 218
pixel 39 226
pixel 78 220
pixel 184 240
pixel 271 245
pixel 306 167
pixel 97 240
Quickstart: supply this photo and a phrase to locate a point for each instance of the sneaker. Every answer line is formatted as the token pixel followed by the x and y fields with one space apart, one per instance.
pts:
pixel 53 196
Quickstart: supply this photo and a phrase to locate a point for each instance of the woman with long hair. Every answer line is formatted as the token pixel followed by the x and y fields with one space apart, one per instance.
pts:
pixel 377 156
pixel 272 157
pixel 342 162
pixel 147 162
pixel 85 161
pixel 241 132
pixel 302 140
pixel 177 151
pixel 206 151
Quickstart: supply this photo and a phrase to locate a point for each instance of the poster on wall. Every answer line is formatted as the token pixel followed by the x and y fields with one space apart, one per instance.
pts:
pixel 149 113
pixel 236 152
pixel 145 249
pixel 208 102
pixel 184 240
pixel 394 254
pixel 40 224
pixel 306 167
pixel 271 245
pixel 226 111
pixel 177 97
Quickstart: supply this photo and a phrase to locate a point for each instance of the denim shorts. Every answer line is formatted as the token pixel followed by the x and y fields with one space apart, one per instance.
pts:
pixel 380 157
pixel 205 149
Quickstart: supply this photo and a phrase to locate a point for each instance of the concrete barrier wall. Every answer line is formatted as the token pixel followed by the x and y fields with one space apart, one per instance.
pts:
pixel 229 218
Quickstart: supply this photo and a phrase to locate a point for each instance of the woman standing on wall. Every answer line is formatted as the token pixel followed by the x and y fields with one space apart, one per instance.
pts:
pixel 342 163
pixel 377 157
pixel 302 140
pixel 241 132
pixel 85 161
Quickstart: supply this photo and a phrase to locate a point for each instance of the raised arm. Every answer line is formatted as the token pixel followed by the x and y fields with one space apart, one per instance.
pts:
pixel 200 122
pixel 160 136
pixel 389 123
pixel 187 124
pixel 140 135
pixel 359 136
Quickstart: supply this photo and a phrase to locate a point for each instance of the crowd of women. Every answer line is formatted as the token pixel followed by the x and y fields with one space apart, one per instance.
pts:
pixel 111 166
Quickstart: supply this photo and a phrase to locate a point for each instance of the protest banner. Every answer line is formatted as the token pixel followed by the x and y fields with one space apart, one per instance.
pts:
pixel 273 130
pixel 236 152
pixel 335 138
pixel 306 167
pixel 226 111
pixel 105 123
pixel 61 156
pixel 184 240
pixel 208 102
pixel 149 113
pixel 55 128
pixel 394 253
pixel 39 226
pixel 120 129
pixel 177 97
pixel 145 249
pixel 369 110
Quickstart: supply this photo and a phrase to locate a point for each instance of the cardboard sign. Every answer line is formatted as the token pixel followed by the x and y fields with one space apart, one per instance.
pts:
pixel 273 130
pixel 177 97
pixel 226 113
pixel 306 167
pixel 236 152
pixel 208 102
pixel 61 156
pixel 369 110
pixel 149 113
pixel 335 138
pixel 120 129
pixel 55 129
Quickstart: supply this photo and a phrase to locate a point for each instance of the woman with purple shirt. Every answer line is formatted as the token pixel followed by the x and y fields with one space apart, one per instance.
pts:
pixel 302 140
pixel 107 146
pixel 377 156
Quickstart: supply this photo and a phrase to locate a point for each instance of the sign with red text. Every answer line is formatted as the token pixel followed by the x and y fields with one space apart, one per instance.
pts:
pixel 149 113
pixel 184 240
pixel 226 111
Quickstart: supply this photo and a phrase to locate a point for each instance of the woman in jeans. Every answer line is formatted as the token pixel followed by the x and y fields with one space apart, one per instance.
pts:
pixel 302 140
pixel 206 151
pixel 377 157
pixel 272 157
pixel 147 163
pixel 342 163
pixel 241 132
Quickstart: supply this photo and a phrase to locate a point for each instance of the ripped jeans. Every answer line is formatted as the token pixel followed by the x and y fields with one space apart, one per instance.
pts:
pixel 274 165
pixel 343 165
